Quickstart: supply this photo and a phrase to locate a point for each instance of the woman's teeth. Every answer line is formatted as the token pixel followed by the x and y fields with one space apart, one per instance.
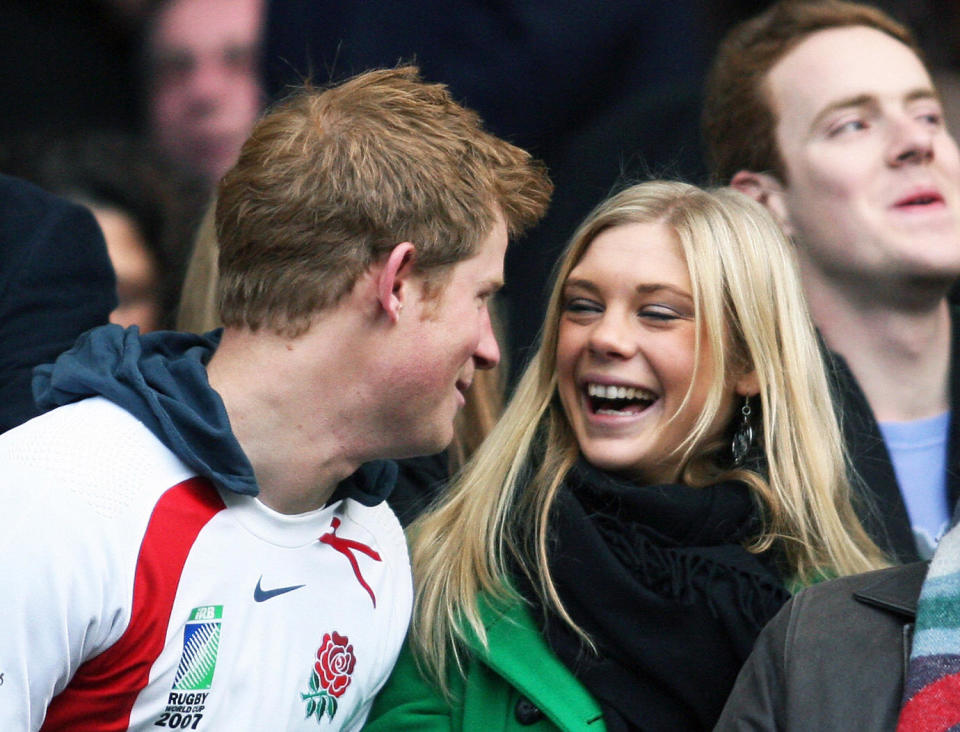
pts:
pixel 609 399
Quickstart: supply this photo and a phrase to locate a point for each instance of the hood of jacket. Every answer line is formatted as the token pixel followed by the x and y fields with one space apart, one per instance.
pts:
pixel 161 379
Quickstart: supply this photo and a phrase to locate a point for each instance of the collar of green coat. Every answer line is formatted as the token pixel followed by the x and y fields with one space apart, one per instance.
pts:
pixel 518 652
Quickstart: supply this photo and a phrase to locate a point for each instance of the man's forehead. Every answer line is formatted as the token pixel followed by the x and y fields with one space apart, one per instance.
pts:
pixel 184 25
pixel 483 272
pixel 843 64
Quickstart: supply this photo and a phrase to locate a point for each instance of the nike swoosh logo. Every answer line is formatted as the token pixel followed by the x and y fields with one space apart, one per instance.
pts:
pixel 259 594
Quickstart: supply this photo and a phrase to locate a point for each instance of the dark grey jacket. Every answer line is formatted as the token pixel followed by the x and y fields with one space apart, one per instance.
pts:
pixel 834 658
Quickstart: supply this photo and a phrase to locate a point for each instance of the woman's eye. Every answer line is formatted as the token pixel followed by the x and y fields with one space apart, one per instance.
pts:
pixel 659 312
pixel 582 305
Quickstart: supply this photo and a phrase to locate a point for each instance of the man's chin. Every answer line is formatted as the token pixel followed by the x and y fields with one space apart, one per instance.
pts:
pixel 429 445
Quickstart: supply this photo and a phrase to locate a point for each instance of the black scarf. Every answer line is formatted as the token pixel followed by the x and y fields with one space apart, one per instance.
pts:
pixel 658 578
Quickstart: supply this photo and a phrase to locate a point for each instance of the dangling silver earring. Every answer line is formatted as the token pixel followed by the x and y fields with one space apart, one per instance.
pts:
pixel 743 437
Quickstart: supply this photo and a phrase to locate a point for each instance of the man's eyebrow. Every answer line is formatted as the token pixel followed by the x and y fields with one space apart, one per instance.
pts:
pixel 865 100
pixel 858 100
pixel 921 94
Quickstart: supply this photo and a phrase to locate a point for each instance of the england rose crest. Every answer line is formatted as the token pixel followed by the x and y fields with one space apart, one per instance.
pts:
pixel 330 676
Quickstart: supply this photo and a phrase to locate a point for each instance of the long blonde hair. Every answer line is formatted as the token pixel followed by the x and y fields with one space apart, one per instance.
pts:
pixel 748 300
pixel 197 312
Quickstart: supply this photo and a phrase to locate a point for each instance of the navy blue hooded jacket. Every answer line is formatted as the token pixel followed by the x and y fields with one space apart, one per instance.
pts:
pixel 161 379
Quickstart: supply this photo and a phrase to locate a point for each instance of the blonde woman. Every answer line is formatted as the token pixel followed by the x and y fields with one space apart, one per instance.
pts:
pixel 669 464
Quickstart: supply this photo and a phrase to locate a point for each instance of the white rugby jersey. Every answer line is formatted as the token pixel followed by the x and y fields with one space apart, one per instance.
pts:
pixel 135 595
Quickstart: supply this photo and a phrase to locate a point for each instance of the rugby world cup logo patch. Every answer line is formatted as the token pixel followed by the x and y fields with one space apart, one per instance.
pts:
pixel 201 642
pixel 331 675
pixel 187 701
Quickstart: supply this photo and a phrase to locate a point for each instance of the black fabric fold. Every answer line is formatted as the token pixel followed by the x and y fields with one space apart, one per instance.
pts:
pixel 659 578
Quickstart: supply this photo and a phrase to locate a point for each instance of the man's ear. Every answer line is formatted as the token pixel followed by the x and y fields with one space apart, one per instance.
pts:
pixel 766 189
pixel 392 280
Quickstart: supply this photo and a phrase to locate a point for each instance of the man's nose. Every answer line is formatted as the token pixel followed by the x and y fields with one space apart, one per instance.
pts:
pixel 487 353
pixel 912 142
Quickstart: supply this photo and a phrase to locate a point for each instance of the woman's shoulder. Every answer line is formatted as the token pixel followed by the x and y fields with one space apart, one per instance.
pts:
pixel 511 671
pixel 410 697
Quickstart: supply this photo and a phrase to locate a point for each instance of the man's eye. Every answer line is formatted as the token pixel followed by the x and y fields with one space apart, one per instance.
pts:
pixel 240 58
pixel 175 67
pixel 850 125
pixel 484 299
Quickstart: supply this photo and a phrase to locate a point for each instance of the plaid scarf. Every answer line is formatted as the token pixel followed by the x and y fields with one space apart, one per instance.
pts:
pixel 931 698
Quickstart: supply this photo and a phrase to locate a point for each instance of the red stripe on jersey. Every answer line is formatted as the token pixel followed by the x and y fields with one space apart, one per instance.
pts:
pixel 101 694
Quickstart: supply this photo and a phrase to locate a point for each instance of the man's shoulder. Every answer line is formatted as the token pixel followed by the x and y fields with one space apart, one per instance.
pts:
pixel 837 617
pixel 92 450
pixel 102 410
pixel 893 590
pixel 84 424
pixel 383 528
pixel 833 657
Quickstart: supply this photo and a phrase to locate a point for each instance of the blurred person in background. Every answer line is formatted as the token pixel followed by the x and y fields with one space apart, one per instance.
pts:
pixel 203 88
pixel 55 283
pixel 133 196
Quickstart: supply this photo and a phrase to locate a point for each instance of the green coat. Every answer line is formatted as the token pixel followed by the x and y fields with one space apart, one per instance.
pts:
pixel 517 665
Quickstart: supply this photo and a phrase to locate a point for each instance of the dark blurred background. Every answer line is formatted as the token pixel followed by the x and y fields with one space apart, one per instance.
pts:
pixel 604 93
